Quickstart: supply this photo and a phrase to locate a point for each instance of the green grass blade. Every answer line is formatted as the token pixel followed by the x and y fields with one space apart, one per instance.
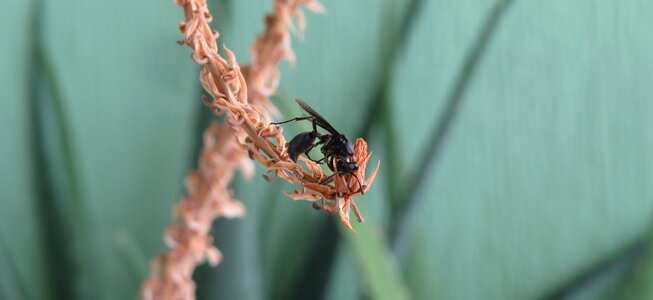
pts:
pixel 376 263
pixel 636 284
pixel 57 180
pixel 11 285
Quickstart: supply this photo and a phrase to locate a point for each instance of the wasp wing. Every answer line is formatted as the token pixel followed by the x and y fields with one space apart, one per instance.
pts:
pixel 317 117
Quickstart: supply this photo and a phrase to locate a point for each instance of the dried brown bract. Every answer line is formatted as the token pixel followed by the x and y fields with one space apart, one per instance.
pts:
pixel 345 188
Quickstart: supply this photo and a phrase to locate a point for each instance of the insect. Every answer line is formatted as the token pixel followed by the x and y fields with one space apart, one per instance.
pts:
pixel 336 148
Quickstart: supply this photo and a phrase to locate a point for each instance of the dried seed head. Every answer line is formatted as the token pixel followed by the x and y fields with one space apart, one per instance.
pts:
pixel 241 93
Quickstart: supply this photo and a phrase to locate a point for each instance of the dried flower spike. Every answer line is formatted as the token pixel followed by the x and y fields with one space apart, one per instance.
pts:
pixel 263 142
pixel 208 194
pixel 242 94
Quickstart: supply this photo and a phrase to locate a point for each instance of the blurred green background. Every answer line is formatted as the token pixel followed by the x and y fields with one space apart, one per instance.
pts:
pixel 515 140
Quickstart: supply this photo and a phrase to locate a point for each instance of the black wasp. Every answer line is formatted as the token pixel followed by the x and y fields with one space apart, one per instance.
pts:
pixel 335 145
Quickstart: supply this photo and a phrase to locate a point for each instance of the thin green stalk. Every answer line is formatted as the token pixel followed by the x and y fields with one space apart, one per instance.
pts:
pixel 380 272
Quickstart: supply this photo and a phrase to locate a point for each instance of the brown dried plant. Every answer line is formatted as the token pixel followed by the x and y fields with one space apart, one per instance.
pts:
pixel 243 94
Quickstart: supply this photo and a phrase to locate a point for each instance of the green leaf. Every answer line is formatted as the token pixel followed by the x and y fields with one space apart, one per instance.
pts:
pixel 636 283
pixel 240 274
pixel 543 170
pixel 19 219
pixel 609 278
pixel 130 96
pixel 345 281
pixel 377 266
pixel 12 285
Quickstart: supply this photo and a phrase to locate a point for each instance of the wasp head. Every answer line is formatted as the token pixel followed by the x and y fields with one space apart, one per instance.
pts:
pixel 346 167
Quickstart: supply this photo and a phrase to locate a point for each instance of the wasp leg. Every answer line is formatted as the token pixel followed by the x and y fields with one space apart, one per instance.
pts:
pixel 322 141
pixel 314 126
pixel 309 150
pixel 331 163
pixel 360 185
pixel 309 157
pixel 294 119
pixel 328 179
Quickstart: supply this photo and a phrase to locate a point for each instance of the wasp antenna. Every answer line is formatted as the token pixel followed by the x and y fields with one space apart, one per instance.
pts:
pixel 360 185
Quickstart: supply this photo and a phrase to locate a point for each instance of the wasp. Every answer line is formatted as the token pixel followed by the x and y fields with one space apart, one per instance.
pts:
pixel 335 147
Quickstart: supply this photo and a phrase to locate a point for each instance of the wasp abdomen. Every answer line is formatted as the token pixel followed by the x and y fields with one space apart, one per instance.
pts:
pixel 301 143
